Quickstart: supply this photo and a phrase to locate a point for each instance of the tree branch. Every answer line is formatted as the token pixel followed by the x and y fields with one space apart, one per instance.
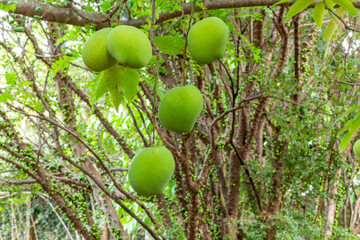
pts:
pixel 66 15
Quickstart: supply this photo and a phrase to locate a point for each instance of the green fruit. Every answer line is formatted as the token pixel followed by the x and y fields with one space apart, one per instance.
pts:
pixel 129 46
pixel 356 149
pixel 180 107
pixel 207 40
pixel 95 54
pixel 150 170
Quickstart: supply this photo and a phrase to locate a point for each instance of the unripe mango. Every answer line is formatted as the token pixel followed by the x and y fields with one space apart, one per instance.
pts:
pixel 129 46
pixel 180 108
pixel 95 54
pixel 150 170
pixel 207 40
pixel 356 149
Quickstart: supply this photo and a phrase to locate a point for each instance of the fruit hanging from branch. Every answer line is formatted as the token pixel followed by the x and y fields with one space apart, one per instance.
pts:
pixel 129 46
pixel 180 108
pixel 207 40
pixel 95 54
pixel 356 149
pixel 150 170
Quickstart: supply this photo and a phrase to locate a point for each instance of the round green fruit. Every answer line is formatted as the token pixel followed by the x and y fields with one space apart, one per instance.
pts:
pixel 150 170
pixel 207 40
pixel 356 149
pixel 180 108
pixel 95 54
pixel 129 46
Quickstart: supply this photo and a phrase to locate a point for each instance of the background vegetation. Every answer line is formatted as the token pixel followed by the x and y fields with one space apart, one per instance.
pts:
pixel 269 158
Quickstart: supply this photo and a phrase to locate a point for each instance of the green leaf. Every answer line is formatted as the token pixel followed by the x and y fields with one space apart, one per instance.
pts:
pixel 343 115
pixel 318 15
pixel 130 82
pixel 334 23
pixel 346 127
pixel 348 6
pixel 6 97
pixel 112 80
pixel 297 7
pixel 281 2
pixel 101 89
pixel 330 4
pixel 7 7
pixel 120 82
pixel 353 127
pixel 170 45
pixel 10 78
pixel 105 6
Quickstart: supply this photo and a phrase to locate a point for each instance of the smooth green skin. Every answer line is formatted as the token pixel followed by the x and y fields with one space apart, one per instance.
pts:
pixel 150 170
pixel 207 40
pixel 129 46
pixel 180 108
pixel 356 149
pixel 95 54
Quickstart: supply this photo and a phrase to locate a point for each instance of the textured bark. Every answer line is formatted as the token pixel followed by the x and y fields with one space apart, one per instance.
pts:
pixel 32 218
pixel 259 27
pixel 105 235
pixel 276 192
pixel 233 194
pixel 331 207
pixel 355 215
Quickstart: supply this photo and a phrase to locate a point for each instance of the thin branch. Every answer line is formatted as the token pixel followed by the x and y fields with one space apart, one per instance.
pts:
pixel 14 182
pixel 302 105
pixel 55 13
pixel 216 119
pixel 341 19
pixel 146 144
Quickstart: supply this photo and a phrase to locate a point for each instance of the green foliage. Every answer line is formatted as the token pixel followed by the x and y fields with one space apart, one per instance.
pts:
pixel 334 23
pixel 8 7
pixel 120 82
pixel 318 15
pixel 311 126
pixel 297 7
pixel 17 208
pixel 6 97
pixel 348 6
pixel 170 45
pixel 351 127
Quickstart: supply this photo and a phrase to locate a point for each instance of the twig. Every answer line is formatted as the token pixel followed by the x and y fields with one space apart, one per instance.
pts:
pixel 21 182
pixel 57 214
pixel 216 119
pixel 146 144
pixel 341 20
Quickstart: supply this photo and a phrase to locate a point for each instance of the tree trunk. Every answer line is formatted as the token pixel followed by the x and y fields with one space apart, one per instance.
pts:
pixel 331 209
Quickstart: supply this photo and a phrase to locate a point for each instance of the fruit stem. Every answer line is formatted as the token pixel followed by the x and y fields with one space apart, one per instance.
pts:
pixel 156 70
pixel 185 48
pixel 205 9
pixel 155 102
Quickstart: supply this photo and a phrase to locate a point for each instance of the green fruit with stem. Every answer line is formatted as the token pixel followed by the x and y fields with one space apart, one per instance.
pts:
pixel 207 40
pixel 150 170
pixel 180 108
pixel 356 149
pixel 129 46
pixel 95 54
